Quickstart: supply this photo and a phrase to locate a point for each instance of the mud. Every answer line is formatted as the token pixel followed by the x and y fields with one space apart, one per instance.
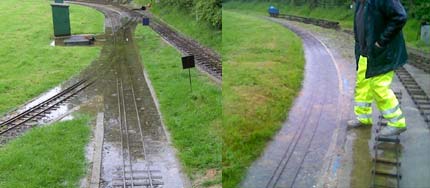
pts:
pixel 352 159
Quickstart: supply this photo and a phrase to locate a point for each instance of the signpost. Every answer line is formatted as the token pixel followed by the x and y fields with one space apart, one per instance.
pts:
pixel 145 21
pixel 188 63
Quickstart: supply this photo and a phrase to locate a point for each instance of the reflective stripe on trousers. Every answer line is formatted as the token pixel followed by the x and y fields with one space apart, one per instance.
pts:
pixel 376 88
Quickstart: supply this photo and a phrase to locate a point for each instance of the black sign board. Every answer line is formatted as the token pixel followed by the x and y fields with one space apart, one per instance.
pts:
pixel 145 21
pixel 188 62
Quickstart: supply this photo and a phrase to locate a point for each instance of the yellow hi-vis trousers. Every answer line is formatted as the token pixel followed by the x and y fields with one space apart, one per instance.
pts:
pixel 376 88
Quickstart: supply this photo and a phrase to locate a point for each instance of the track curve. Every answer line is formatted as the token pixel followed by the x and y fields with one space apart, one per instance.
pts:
pixel 299 153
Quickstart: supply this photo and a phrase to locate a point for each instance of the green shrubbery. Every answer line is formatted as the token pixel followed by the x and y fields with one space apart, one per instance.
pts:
pixel 203 10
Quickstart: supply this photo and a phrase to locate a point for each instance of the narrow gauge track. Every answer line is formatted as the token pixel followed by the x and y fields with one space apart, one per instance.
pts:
pixel 421 100
pixel 419 97
pixel 207 60
pixel 40 110
pixel 386 157
pixel 312 121
pixel 133 148
pixel 419 62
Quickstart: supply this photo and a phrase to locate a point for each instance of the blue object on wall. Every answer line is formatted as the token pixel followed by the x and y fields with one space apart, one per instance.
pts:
pixel 145 21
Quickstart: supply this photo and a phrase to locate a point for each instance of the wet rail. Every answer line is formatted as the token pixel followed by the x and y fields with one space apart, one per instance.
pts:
pixel 419 97
pixel 420 62
pixel 134 172
pixel 386 157
pixel 207 60
pixel 291 149
pixel 42 109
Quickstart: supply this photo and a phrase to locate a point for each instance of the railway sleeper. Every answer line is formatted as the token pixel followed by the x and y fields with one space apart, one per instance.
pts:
pixel 387 139
pixel 137 183
pixel 387 161
pixel 118 178
pixel 387 174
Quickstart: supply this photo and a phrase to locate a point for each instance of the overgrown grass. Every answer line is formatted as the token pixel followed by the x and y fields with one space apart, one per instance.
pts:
pixel 52 156
pixel 262 74
pixel 28 64
pixel 343 15
pixel 186 24
pixel 193 118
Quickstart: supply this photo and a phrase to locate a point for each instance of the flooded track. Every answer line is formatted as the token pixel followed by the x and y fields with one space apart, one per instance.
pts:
pixel 303 154
pixel 29 117
pixel 297 155
pixel 136 151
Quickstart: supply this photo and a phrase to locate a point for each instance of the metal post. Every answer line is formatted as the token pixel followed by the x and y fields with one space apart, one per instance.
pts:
pixel 189 75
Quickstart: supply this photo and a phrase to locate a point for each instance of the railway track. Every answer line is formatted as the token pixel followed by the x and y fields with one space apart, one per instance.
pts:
pixel 386 157
pixel 205 58
pixel 420 62
pixel 419 97
pixel 42 109
pixel 136 169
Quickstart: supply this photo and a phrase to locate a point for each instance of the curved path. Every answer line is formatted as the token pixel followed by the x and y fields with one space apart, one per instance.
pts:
pixel 302 148
pixel 313 148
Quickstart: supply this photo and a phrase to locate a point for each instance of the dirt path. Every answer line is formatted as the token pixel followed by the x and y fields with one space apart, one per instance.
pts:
pixel 313 148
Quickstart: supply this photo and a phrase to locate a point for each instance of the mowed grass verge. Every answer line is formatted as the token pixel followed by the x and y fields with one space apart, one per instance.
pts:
pixel 262 74
pixel 341 14
pixel 185 23
pixel 28 64
pixel 51 156
pixel 193 118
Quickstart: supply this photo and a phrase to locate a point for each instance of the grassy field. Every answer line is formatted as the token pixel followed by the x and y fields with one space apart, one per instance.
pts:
pixel 343 15
pixel 26 33
pixel 52 156
pixel 260 83
pixel 193 119
pixel 199 31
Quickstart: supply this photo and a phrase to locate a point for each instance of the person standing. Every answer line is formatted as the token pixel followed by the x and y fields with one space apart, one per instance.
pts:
pixel 379 50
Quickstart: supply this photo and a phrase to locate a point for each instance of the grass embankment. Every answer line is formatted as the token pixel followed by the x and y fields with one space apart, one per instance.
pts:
pixel 343 15
pixel 28 64
pixel 263 71
pixel 182 21
pixel 51 156
pixel 193 119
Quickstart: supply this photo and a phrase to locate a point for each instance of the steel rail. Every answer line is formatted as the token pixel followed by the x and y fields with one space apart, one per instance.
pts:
pixel 44 110
pixel 38 106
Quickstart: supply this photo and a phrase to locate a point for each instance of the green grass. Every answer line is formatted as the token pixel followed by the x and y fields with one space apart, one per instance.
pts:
pixel 193 119
pixel 52 156
pixel 343 15
pixel 260 83
pixel 182 21
pixel 28 64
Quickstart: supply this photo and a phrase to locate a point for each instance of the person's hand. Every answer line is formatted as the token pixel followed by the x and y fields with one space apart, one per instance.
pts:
pixel 377 44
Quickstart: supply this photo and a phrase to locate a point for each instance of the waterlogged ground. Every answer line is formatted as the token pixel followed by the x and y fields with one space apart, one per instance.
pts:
pixel 355 165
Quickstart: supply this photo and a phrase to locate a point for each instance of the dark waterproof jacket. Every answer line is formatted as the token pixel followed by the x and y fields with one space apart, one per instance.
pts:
pixel 384 20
